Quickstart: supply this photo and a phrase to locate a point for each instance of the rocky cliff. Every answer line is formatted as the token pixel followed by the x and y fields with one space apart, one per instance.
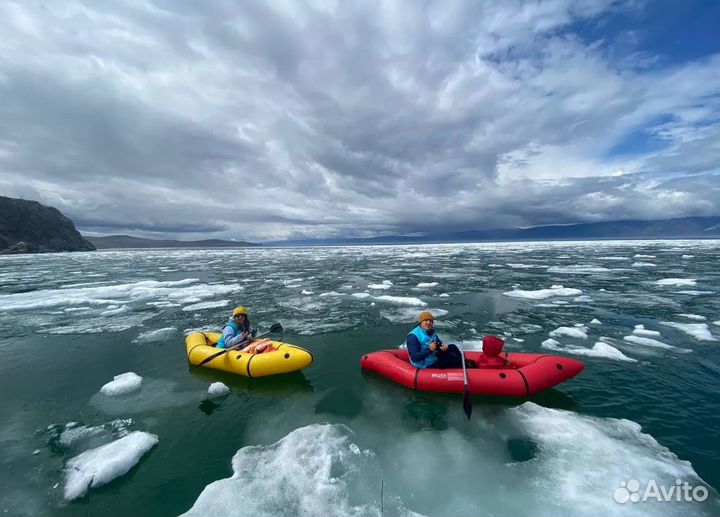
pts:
pixel 29 227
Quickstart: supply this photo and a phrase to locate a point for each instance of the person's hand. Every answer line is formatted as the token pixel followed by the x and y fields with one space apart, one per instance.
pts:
pixel 443 348
pixel 245 335
pixel 433 346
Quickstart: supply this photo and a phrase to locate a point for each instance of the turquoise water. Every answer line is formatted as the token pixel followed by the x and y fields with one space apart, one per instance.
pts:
pixel 331 439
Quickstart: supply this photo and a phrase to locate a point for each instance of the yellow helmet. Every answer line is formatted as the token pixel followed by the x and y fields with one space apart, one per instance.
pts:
pixel 239 310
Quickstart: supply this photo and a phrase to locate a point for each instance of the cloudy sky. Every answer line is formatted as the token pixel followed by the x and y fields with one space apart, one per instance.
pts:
pixel 261 120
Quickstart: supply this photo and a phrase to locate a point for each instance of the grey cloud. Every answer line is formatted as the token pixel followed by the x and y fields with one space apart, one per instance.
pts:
pixel 262 120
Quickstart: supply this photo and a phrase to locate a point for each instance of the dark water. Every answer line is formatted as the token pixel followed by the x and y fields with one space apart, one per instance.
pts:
pixel 325 440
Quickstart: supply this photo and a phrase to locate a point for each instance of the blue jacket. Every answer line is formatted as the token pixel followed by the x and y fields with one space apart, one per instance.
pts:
pixel 418 346
pixel 232 334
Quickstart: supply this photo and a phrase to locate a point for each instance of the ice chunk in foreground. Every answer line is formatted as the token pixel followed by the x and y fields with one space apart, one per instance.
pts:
pixel 218 388
pixel 101 465
pixel 595 321
pixel 311 471
pixel 122 384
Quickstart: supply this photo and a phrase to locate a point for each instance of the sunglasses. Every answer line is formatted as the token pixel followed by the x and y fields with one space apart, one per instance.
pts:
pixel 239 316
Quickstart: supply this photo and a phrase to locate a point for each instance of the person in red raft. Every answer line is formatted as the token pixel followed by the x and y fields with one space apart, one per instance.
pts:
pixel 490 358
pixel 426 350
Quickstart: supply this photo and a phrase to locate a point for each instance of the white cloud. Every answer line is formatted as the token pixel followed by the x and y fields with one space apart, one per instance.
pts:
pixel 267 121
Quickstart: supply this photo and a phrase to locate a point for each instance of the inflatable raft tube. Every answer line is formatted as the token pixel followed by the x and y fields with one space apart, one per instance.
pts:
pixel 285 358
pixel 525 375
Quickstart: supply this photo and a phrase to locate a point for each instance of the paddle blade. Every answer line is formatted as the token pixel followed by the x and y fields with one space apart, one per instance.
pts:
pixel 276 327
pixel 467 403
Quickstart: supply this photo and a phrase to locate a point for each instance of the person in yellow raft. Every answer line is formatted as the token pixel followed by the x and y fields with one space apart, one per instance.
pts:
pixel 239 329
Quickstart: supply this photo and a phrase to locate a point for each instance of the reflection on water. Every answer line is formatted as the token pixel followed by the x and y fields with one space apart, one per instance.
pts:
pixel 274 385
pixel 341 402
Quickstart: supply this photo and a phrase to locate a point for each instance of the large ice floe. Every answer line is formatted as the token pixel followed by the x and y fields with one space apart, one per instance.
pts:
pixel 101 465
pixel 314 470
pixel 542 294
pixel 572 465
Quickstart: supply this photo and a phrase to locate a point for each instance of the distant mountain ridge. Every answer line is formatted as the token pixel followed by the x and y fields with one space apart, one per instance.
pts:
pixel 126 241
pixel 680 228
pixel 30 227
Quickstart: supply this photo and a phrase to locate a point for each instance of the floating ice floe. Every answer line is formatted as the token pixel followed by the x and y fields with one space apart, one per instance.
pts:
pixel 576 332
pixel 122 384
pixel 646 341
pixel 74 435
pixel 542 294
pixel 695 317
pixel 153 336
pixel 425 285
pixel 99 466
pixel 595 321
pixel 641 331
pixel 644 256
pixel 320 469
pixel 331 293
pixel 146 290
pixel 692 292
pixel 699 331
pixel 643 264
pixel 688 256
pixel 206 305
pixel 403 315
pixel 677 282
pixel 602 349
pixel 386 284
pixel 401 300
pixel 599 349
pixel 306 292
pixel 115 311
pixel 217 389
pixel 361 295
pixel 580 269
pixel 444 295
